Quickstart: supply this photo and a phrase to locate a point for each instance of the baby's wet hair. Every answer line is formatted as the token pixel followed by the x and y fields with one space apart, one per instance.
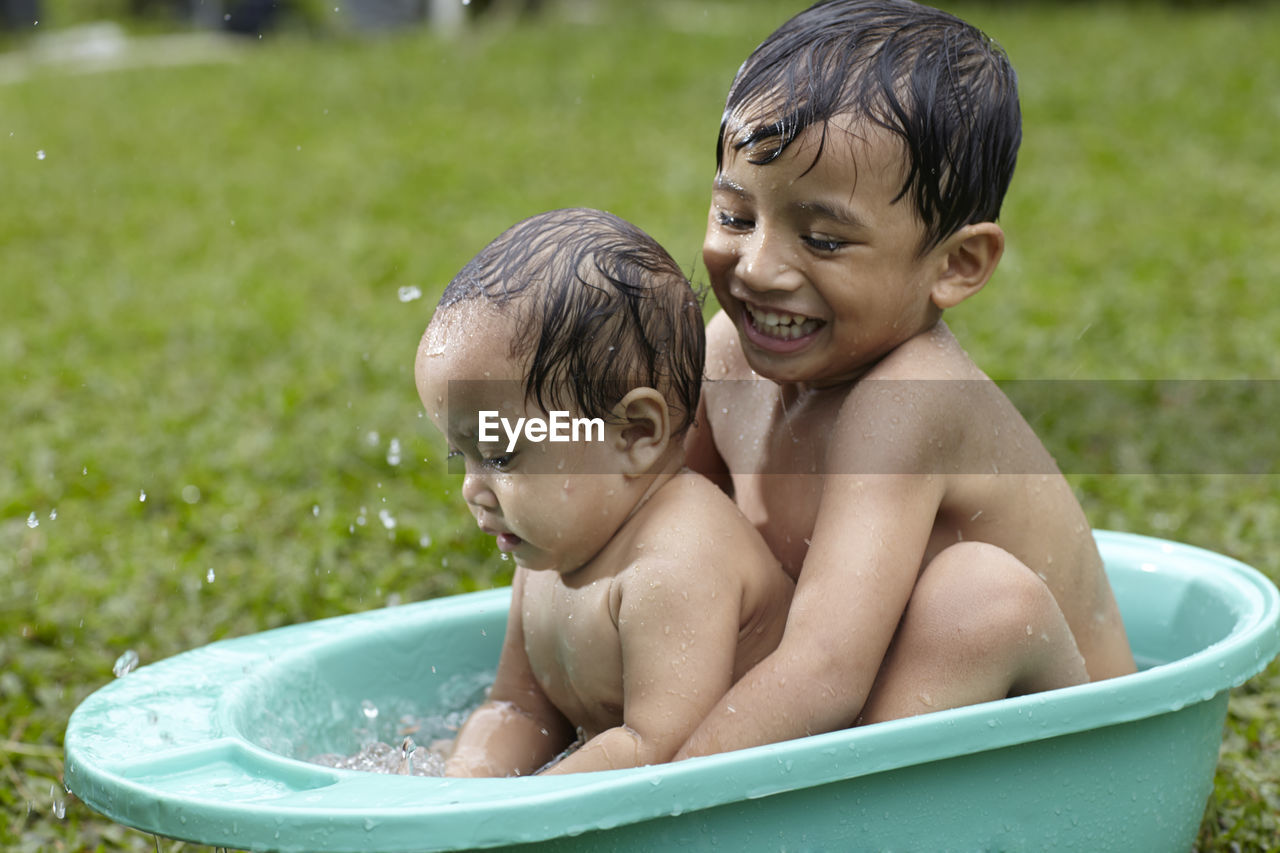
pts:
pixel 600 308
pixel 936 82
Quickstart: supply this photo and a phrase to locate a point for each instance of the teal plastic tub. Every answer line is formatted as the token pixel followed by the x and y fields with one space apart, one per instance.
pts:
pixel 208 746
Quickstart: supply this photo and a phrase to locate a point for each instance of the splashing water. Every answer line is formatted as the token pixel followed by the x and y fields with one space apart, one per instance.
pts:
pixel 125 664
pixel 59 809
pixel 403 760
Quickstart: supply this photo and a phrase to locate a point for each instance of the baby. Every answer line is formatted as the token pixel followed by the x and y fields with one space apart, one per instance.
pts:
pixel 641 593
pixel 941 558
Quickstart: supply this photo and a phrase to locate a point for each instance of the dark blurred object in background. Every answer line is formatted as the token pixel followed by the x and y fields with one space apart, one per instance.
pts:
pixel 19 15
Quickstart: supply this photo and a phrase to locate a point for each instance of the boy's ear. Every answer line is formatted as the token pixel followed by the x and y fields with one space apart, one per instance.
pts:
pixel 969 257
pixel 644 436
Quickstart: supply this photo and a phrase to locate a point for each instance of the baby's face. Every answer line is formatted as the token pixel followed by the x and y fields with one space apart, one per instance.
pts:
pixel 814 262
pixel 549 504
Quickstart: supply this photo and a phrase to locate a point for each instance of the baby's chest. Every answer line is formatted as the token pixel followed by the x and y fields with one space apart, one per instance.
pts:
pixel 573 649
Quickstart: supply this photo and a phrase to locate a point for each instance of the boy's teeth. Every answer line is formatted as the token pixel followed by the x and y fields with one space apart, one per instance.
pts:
pixel 786 326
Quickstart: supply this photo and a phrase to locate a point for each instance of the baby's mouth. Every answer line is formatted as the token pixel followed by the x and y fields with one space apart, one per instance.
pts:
pixel 508 541
pixel 780 324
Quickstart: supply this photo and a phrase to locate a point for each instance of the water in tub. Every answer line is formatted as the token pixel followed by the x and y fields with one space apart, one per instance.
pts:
pixel 422 743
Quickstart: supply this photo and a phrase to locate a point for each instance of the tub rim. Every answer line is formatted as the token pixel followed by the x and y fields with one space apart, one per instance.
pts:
pixel 628 796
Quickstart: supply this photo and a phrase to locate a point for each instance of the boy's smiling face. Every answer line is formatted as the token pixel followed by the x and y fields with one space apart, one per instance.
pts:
pixel 551 505
pixel 816 264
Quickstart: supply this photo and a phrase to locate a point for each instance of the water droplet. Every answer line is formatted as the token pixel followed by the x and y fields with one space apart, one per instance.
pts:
pixel 409 294
pixel 369 710
pixel 191 494
pixel 393 452
pixel 40 154
pixel 425 541
pixel 387 519
pixel 142 496
pixel 32 521
pixel 53 514
pixel 315 510
pixel 125 664
pixel 209 576
pixel 504 556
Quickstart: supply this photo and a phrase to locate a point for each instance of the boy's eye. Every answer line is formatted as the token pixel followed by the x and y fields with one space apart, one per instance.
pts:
pixel 729 220
pixel 822 243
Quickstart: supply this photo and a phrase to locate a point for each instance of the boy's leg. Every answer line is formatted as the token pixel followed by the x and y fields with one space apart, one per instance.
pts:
pixel 979 626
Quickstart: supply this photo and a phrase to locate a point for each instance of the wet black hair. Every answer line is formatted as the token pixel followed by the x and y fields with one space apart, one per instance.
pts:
pixel 602 309
pixel 935 81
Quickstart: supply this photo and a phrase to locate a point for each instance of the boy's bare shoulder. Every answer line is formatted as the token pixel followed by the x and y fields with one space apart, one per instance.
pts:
pixel 916 402
pixel 725 359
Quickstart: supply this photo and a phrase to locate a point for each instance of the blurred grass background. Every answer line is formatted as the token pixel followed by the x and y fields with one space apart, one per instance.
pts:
pixel 206 362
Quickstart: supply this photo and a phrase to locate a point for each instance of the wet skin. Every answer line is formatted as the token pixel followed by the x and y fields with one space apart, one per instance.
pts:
pixel 641 591
pixel 857 435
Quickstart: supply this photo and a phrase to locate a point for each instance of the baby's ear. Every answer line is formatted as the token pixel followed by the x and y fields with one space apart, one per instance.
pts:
pixel 968 259
pixel 643 438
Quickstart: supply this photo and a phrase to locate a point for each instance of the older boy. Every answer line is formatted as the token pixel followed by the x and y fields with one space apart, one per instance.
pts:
pixel 641 592
pixel 941 558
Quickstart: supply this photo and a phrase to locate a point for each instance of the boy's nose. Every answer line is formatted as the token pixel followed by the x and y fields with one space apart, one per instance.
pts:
pixel 763 264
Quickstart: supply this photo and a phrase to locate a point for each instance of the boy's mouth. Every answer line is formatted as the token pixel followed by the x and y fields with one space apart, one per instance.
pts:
pixel 508 541
pixel 778 327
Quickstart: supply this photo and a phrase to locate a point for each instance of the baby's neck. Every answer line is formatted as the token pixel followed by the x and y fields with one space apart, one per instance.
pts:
pixel 667 469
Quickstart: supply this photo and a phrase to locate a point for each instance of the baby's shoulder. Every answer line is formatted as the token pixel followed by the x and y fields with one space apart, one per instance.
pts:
pixel 690 500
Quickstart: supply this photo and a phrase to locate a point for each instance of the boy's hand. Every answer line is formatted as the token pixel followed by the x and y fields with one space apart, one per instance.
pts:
pixel 867 547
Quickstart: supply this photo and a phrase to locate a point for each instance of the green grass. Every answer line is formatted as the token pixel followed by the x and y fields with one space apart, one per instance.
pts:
pixel 198 301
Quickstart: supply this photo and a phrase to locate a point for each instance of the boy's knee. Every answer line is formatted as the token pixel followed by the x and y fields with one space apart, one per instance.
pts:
pixel 985 594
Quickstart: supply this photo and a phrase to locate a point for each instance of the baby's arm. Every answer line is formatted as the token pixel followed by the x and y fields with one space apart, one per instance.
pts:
pixel 868 542
pixel 517 730
pixel 678 626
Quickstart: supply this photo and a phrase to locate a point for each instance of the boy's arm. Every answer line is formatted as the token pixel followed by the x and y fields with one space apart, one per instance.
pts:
pixel 517 730
pixel 700 453
pixel 678 626
pixel 867 546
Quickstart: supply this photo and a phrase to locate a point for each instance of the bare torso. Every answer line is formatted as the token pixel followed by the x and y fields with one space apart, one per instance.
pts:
pixel 998 484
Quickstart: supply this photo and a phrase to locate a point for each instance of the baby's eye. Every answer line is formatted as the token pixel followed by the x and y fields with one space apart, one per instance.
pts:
pixel 736 223
pixel 501 462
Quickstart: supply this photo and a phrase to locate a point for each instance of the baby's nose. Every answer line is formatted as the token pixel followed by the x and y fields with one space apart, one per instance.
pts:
pixel 476 491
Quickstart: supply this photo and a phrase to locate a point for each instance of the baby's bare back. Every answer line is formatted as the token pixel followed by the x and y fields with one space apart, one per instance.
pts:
pixel 925 411
pixel 626 608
